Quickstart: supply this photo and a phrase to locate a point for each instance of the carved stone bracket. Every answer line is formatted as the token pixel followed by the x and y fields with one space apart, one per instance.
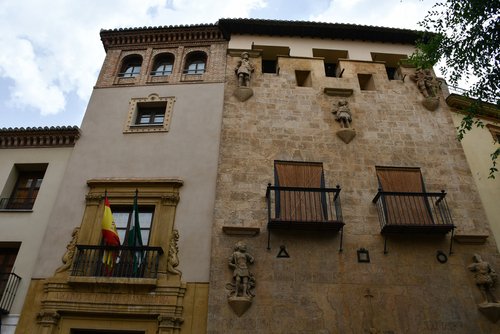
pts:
pixel 243 93
pixel 346 135
pixel 171 199
pixel 48 318
pixel 490 310
pixel 169 322
pixel 67 258
pixel 93 199
pixel 173 258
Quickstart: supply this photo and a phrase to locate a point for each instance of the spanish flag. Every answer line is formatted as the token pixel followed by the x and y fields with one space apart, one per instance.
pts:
pixel 109 235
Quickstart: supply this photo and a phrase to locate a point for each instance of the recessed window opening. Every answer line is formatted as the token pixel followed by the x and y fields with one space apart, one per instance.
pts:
pixel 269 54
pixel 131 66
pixel 195 63
pixel 150 113
pixel 303 78
pixel 24 191
pixel 391 61
pixel 331 59
pixel 163 65
pixel 366 81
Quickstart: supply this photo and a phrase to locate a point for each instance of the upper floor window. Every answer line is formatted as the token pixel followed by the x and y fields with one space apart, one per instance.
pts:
pixel 163 65
pixel 150 115
pixel 331 59
pixel 123 219
pixel 131 66
pixel 195 63
pixel 28 180
pixel 391 63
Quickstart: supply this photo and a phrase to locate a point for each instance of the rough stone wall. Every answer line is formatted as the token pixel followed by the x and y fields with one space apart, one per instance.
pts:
pixel 318 289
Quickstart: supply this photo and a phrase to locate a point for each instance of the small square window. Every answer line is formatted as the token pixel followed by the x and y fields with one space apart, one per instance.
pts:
pixel 151 114
pixel 366 82
pixel 303 78
pixel 26 180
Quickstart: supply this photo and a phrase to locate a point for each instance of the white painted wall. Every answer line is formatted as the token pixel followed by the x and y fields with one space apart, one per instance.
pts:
pixel 302 47
pixel 29 227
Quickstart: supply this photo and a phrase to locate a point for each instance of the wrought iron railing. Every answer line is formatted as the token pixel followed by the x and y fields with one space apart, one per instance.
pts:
pixel 9 282
pixel 303 205
pixel 413 211
pixel 116 261
pixel 17 203
pixel 297 208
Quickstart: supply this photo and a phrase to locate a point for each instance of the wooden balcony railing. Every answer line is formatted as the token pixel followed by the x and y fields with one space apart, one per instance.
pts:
pixel 117 261
pixel 9 282
pixel 413 212
pixel 297 208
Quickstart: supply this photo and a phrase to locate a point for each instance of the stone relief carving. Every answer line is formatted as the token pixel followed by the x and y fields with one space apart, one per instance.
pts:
pixel 241 288
pixel 173 250
pixel 244 69
pixel 68 256
pixel 486 279
pixel 428 86
pixel 343 115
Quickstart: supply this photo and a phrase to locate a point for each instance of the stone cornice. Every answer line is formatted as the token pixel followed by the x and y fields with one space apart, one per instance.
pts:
pixel 55 136
pixel 486 110
pixel 131 37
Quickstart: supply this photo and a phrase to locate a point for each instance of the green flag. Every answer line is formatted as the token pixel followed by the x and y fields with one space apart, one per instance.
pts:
pixel 135 238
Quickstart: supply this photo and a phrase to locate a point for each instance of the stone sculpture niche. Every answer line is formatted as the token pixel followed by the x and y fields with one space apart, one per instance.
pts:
pixel 241 288
pixel 486 279
pixel 244 70
pixel 343 115
pixel 428 86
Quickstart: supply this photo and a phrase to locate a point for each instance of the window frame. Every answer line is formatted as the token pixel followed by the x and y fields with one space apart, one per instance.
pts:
pixel 133 63
pixel 153 101
pixel 195 58
pixel 163 60
pixel 13 187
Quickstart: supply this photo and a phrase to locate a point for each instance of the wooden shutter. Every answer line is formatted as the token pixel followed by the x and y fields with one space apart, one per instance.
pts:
pixel 299 205
pixel 400 209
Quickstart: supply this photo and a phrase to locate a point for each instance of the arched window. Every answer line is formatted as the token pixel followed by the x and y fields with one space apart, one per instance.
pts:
pixel 131 66
pixel 163 65
pixel 195 63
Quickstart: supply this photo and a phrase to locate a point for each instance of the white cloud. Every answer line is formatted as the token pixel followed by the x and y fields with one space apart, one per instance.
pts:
pixel 53 49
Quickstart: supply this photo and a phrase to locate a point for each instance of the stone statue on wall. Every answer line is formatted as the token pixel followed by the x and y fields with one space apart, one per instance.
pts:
pixel 486 279
pixel 241 294
pixel 244 70
pixel 173 258
pixel 428 86
pixel 68 256
pixel 425 82
pixel 343 114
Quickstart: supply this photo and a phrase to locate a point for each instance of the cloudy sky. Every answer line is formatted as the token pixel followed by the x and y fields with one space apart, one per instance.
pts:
pixel 51 51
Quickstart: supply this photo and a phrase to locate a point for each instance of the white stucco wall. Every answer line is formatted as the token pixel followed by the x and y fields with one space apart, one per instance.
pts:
pixel 189 151
pixel 478 144
pixel 302 47
pixel 28 228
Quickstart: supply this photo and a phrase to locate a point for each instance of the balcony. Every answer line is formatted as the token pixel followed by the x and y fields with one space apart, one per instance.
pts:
pixel 413 212
pixel 17 203
pixel 298 208
pixel 9 282
pixel 116 261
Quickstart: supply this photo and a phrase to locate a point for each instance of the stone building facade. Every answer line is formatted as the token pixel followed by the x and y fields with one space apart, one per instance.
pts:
pixel 403 280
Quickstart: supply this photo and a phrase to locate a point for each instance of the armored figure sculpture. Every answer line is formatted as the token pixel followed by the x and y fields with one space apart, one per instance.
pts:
pixel 425 82
pixel 485 278
pixel 243 279
pixel 244 70
pixel 343 114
